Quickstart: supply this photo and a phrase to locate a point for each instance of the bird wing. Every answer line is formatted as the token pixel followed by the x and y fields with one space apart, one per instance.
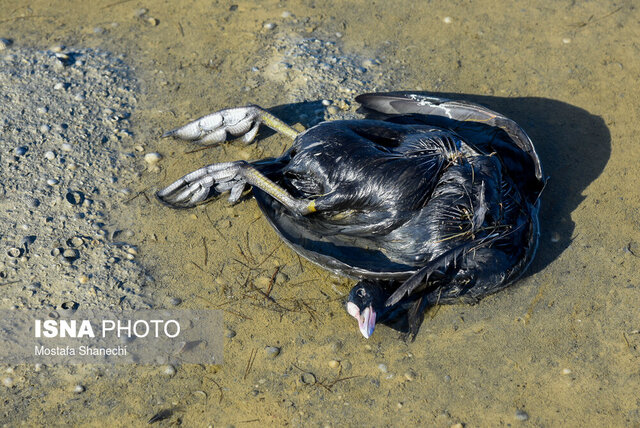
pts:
pixel 487 129
pixel 439 264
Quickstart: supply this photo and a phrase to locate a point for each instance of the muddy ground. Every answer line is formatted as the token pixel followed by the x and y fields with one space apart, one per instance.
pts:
pixel 87 88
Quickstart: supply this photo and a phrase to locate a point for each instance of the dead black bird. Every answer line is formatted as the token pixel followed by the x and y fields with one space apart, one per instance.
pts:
pixel 433 201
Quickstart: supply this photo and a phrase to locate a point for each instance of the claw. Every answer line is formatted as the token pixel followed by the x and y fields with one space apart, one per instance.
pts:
pixel 249 136
pixel 236 192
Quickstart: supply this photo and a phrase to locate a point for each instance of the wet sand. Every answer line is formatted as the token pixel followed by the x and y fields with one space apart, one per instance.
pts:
pixel 562 346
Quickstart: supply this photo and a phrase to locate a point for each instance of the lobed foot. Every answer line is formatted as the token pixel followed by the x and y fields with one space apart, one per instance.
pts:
pixel 213 128
pixel 239 121
pixel 204 183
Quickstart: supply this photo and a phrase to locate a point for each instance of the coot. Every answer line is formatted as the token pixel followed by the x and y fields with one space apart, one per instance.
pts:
pixel 426 201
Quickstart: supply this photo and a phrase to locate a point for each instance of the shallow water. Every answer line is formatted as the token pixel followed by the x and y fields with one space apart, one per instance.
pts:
pixel 561 346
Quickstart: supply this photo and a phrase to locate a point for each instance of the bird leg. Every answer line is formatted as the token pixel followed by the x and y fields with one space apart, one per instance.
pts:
pixel 215 179
pixel 239 121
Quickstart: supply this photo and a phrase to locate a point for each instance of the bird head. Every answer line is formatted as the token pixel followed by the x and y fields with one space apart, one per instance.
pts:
pixel 365 303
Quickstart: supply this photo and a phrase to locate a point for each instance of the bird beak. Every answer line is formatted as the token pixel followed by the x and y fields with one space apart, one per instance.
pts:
pixel 367 321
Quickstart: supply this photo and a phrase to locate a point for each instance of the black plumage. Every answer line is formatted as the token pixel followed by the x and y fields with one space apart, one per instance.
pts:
pixel 431 201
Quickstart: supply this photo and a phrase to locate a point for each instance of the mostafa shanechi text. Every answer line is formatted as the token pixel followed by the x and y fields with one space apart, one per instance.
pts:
pixel 101 336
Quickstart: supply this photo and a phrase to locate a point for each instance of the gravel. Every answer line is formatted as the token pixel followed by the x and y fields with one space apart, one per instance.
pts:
pixel 58 154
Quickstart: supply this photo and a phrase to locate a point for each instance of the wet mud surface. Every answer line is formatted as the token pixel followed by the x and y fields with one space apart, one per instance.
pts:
pixel 88 88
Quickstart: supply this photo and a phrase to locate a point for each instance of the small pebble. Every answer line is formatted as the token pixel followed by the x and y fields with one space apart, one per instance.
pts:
pixel 447 20
pixel 7 381
pixel 58 86
pixel 76 241
pixel 169 370
pixel 62 56
pixel 78 389
pixel 368 63
pixel 140 12
pixel 272 351
pixel 69 253
pixel 228 333
pixel 66 147
pixel 75 198
pixel 175 301
pixel 566 371
pixel 83 279
pixel 57 48
pixel 44 128
pixel 566 40
pixel 42 110
pixel 153 21
pixel 38 367
pixel 49 155
pixel 343 104
pixel 447 378
pixel 410 375
pixel 332 110
pixel 20 151
pixel 286 14
pixel 334 364
pixel 326 103
pixel 521 415
pixel 383 367
pixel 5 43
pixel 269 26
pixel 152 158
pixel 458 425
pixel 308 378
pixel 14 252
pixel 200 394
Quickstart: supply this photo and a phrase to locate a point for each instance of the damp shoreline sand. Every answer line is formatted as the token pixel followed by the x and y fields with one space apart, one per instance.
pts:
pixel 88 90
